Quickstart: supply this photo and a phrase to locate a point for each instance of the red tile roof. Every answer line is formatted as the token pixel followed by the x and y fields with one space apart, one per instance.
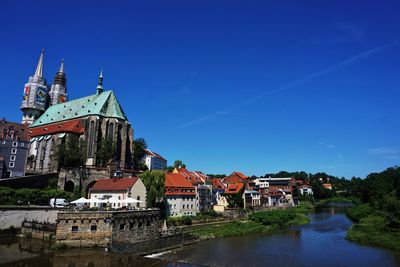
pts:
pixel 217 183
pixel 114 184
pixel 241 175
pixel 234 188
pixel 192 177
pixel 177 180
pixel 69 126
pixel 13 131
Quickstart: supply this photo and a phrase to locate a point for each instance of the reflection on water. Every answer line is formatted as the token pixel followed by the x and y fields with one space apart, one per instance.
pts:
pixel 320 243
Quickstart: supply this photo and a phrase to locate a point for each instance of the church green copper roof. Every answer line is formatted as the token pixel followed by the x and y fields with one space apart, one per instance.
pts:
pixel 104 104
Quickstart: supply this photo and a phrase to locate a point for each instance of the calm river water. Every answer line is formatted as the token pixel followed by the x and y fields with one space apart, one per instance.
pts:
pixel 320 243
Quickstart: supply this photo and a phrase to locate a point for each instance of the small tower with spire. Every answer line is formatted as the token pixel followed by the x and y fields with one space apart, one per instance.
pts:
pixel 34 101
pixel 58 90
pixel 99 88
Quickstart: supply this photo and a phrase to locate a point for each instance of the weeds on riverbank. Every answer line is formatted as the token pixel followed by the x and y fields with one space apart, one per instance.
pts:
pixel 259 222
pixel 371 231
pixel 371 228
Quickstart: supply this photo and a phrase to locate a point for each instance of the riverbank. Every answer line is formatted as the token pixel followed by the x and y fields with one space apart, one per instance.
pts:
pixel 337 199
pixel 258 222
pixel 369 228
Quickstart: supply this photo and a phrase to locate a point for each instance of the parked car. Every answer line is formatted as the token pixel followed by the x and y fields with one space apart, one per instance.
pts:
pixel 58 202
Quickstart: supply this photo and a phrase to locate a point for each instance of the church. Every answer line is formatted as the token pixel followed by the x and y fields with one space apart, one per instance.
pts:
pixel 52 118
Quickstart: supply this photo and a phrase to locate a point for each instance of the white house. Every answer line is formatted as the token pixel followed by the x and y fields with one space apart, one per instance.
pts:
pixel 305 190
pixel 154 161
pixel 251 198
pixel 181 196
pixel 120 189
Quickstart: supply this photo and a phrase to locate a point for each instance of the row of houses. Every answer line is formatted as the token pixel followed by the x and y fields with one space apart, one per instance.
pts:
pixel 190 192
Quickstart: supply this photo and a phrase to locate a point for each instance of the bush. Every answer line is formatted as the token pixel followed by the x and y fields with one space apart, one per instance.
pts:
pixel 359 212
pixel 10 196
pixel 273 217
pixel 178 221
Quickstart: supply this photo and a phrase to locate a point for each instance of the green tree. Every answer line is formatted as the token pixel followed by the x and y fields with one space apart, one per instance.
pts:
pixel 72 152
pixel 139 147
pixel 179 164
pixel 154 182
pixel 105 151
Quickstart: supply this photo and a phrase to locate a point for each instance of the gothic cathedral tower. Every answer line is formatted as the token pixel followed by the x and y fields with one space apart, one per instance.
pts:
pixel 58 91
pixel 34 102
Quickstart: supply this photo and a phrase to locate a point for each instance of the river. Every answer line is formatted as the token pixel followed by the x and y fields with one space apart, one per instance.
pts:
pixel 320 243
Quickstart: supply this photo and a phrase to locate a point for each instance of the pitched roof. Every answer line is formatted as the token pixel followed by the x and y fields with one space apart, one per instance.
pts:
pixel 241 175
pixel 192 177
pixel 13 130
pixel 177 180
pixel 72 126
pixel 114 184
pixel 104 104
pixel 217 184
pixel 153 154
pixel 234 188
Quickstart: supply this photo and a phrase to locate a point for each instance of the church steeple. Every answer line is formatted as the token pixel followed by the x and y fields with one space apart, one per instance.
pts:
pixel 99 88
pixel 34 101
pixel 58 91
pixel 39 67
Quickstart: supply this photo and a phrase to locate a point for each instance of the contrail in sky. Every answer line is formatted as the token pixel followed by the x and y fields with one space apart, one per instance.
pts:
pixel 292 84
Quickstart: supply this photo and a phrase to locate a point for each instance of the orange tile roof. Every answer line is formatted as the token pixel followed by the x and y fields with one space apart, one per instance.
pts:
pixel 217 183
pixel 241 175
pixel 234 188
pixel 114 184
pixel 70 126
pixel 177 180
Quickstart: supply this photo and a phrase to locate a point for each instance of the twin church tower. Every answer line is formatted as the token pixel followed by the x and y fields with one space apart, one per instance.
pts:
pixel 38 95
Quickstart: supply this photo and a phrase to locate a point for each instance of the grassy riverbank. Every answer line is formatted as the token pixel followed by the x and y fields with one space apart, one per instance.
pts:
pixel 258 222
pixel 337 199
pixel 370 228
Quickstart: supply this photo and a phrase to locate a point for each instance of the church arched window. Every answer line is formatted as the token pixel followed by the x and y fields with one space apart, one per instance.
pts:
pixel 91 139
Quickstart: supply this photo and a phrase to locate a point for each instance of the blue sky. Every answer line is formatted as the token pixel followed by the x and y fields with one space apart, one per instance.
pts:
pixel 251 86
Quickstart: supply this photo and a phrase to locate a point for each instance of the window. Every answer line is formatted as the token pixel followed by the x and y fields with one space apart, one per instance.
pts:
pixel 130 225
pixel 91 139
pixel 74 229
pixel 13 151
pixel 148 223
pixel 138 204
pixel 15 144
pixel 11 164
pixel 93 228
pixel 22 144
pixel 12 158
pixel 140 224
pixel 121 226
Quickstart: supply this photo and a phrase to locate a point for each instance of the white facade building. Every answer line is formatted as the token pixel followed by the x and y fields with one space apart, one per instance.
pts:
pixel 181 196
pixel 154 161
pixel 120 189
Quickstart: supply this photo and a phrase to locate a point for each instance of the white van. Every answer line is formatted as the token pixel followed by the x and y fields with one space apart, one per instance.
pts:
pixel 58 202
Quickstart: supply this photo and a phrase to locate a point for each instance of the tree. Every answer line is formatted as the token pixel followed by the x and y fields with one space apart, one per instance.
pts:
pixel 106 151
pixel 179 164
pixel 72 152
pixel 154 182
pixel 139 147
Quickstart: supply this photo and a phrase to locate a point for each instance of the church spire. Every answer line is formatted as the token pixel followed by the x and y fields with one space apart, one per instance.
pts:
pixel 58 92
pixel 39 68
pixel 62 66
pixel 99 88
